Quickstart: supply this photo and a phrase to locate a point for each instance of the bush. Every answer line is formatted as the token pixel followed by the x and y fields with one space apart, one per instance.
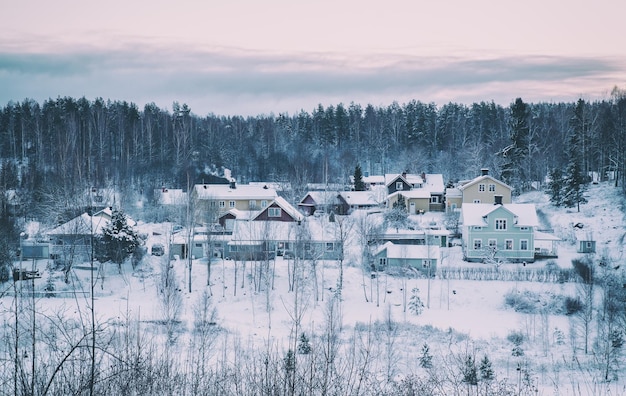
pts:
pixel 572 305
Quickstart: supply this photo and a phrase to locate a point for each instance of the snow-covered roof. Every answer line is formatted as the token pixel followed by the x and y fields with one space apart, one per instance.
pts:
pixel 83 224
pixel 240 191
pixel 410 251
pixel 480 179
pixel 322 197
pixel 264 230
pixel 474 214
pixel 360 198
pixel 453 192
pixel 286 206
pixel 417 193
pixel 171 196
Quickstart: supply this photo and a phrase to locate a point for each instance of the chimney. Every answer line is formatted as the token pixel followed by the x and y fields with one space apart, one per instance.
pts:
pixel 484 171
pixel 424 177
pixel 404 174
pixel 497 199
pixel 233 185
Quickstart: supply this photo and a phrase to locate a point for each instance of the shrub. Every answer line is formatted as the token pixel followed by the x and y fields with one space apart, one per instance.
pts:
pixel 572 305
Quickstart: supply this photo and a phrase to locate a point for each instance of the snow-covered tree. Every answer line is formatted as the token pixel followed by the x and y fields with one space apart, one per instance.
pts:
pixel 359 184
pixel 574 180
pixel 118 239
pixel 555 187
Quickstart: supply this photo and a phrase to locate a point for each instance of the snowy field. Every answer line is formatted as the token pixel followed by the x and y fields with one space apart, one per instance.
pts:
pixel 458 314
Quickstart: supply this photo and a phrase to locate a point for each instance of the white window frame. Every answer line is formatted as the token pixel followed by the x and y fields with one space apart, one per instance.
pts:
pixel 476 201
pixel 481 187
pixel 492 187
pixel 274 212
pixel 426 263
pixel 508 244
pixel 222 204
pixel 252 204
pixel 263 203
pixel 477 243
pixel 500 224
pixel 330 247
pixel 399 186
pixel 231 204
pixel 493 243
pixel 521 244
pixel 523 228
pixel 382 262
pixel 434 199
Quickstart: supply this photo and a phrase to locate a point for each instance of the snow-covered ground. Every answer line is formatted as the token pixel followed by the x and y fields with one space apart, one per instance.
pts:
pixel 475 308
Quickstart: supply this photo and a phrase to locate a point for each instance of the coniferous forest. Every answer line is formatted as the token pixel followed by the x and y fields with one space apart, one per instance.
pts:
pixel 65 145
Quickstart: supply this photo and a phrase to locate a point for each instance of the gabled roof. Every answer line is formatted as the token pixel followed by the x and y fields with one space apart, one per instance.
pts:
pixel 285 206
pixel 476 214
pixel 409 178
pixel 359 198
pixel 415 194
pixel 409 251
pixel 321 197
pixel 240 192
pixel 83 224
pixel 483 178
pixel 241 214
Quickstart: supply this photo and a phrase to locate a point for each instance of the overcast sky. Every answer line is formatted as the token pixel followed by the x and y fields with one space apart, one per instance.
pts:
pixel 250 57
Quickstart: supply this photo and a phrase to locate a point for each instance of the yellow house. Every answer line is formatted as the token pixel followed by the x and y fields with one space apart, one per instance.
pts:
pixel 482 189
pixel 214 200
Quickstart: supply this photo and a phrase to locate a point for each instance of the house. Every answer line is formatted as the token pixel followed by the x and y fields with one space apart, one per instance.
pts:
pixel 321 201
pixel 72 240
pixel 422 193
pixel 311 239
pixel 482 189
pixel 170 196
pixel 502 232
pixel 353 200
pixel 101 198
pixel 423 258
pixel 214 200
pixel 436 237
pixel 279 210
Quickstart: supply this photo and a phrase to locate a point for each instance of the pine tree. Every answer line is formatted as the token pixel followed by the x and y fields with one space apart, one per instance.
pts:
pixel 574 180
pixel 304 345
pixel 359 185
pixel 118 239
pixel 416 306
pixel 486 371
pixel 426 359
pixel 555 187
pixel 517 153
pixel 470 374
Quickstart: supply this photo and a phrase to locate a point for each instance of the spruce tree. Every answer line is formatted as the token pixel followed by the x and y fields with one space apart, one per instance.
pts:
pixel 555 187
pixel 517 153
pixel 574 179
pixel 426 359
pixel 118 239
pixel 359 184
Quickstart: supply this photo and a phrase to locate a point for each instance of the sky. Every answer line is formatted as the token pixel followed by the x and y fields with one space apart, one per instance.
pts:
pixel 247 57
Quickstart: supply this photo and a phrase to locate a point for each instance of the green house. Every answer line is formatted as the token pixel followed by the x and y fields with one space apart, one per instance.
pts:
pixel 501 232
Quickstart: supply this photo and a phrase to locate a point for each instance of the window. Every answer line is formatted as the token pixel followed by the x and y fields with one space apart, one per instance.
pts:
pixel 330 246
pixel 434 199
pixel 222 204
pixel 399 186
pixel 307 246
pixel 212 204
pixel 493 243
pixel 425 263
pixel 523 228
pixel 382 262
pixel 478 244
pixel 523 244
pixel 273 212
pixel 231 204
pixel 477 228
pixel 501 224
pixel 252 204
pixel 481 187
pixel 198 245
pixel 263 203
pixel 508 244
pixel 492 188
pixel 476 201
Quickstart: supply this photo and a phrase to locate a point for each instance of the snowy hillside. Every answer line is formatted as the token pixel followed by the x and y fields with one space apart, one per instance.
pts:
pixel 258 312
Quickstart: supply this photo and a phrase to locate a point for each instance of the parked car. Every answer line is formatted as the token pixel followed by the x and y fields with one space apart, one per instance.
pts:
pixel 157 250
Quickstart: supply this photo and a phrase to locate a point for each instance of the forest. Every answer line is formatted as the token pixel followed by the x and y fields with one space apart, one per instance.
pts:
pixel 65 145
